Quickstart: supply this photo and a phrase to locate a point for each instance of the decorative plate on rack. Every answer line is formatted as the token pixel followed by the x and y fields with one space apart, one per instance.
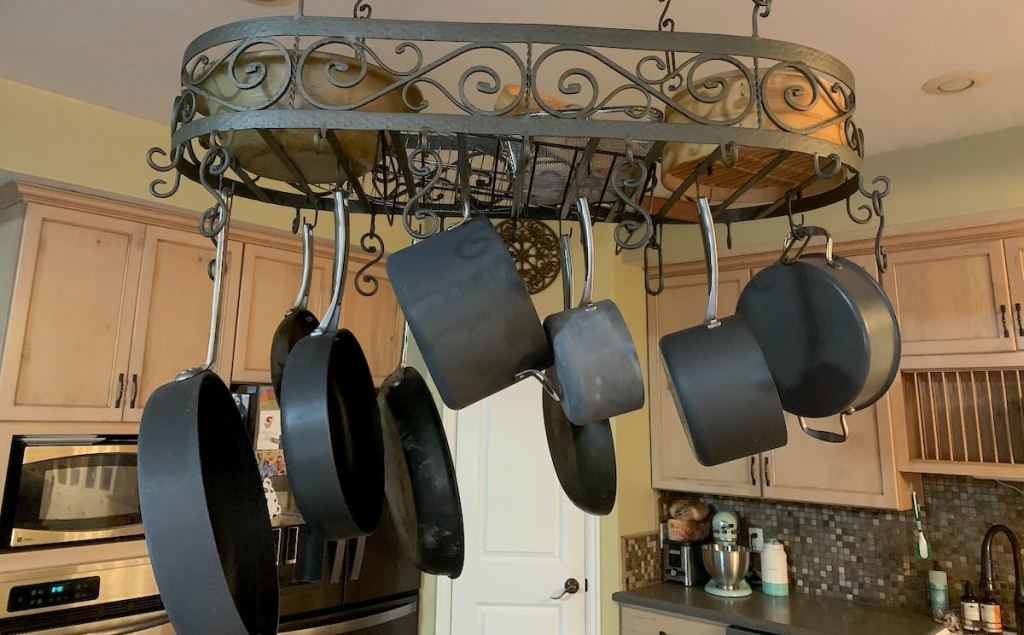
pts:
pixel 534 248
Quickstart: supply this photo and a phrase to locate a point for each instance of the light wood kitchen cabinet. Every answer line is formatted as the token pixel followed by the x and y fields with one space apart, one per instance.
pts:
pixel 682 304
pixel 375 320
pixel 952 298
pixel 69 326
pixel 270 281
pixel 644 622
pixel 172 318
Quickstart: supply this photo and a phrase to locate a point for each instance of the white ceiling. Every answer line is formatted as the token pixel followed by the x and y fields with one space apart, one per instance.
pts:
pixel 125 54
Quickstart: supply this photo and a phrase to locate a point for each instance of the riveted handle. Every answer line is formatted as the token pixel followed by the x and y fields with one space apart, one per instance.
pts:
pixel 823 435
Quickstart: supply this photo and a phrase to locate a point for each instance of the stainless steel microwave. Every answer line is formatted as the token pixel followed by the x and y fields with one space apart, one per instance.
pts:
pixel 70 489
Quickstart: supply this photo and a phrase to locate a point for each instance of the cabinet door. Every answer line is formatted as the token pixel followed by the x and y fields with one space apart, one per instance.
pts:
pixel 1014 248
pixel 641 622
pixel 952 299
pixel 66 350
pixel 172 319
pixel 374 320
pixel 673 464
pixel 270 280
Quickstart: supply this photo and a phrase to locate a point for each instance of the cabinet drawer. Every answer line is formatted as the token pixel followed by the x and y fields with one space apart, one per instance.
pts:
pixel 640 622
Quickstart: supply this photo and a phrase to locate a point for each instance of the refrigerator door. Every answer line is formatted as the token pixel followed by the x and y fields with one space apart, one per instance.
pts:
pixel 376 567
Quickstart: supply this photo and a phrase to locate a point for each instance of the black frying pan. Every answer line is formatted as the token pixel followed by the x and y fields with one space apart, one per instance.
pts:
pixel 203 508
pixel 719 379
pixel 827 329
pixel 421 488
pixel 298 321
pixel 330 424
pixel 583 455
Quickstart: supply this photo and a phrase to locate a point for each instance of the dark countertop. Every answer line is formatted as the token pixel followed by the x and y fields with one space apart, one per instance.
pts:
pixel 796 614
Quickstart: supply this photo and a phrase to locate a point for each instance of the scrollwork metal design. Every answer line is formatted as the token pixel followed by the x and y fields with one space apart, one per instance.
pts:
pixel 631 174
pixel 425 164
pixel 534 249
pixel 371 243
pixel 362 9
pixel 803 98
pixel 250 77
pixel 213 165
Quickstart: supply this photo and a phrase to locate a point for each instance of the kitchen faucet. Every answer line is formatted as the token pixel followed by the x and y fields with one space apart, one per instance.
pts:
pixel 988 580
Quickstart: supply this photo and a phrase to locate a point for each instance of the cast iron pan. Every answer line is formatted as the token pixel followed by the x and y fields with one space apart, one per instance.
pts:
pixel 469 311
pixel 330 424
pixel 827 329
pixel 583 455
pixel 719 379
pixel 298 321
pixel 422 492
pixel 593 350
pixel 203 508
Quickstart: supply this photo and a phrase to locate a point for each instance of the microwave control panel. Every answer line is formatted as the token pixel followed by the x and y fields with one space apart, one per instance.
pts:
pixel 55 593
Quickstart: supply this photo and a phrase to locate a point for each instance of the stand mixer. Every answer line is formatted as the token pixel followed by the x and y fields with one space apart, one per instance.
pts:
pixel 726 561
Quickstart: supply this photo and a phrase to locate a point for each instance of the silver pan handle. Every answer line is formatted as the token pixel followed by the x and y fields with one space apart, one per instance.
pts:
pixel 803 235
pixel 825 435
pixel 707 235
pixel 223 218
pixel 587 231
pixel 332 316
pixel 302 299
pixel 567 291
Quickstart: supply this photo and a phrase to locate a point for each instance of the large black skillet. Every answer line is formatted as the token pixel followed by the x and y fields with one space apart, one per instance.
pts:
pixel 203 509
pixel 330 423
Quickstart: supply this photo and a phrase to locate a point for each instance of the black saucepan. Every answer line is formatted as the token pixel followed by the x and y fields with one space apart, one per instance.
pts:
pixel 827 329
pixel 469 311
pixel 298 321
pixel 719 379
pixel 330 424
pixel 203 508
pixel 420 484
pixel 583 455
pixel 594 354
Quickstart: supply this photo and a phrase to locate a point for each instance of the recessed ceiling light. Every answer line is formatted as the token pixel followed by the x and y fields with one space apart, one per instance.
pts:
pixel 953 83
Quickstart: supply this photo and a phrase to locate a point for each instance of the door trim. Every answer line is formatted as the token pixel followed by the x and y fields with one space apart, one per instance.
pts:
pixel 591 562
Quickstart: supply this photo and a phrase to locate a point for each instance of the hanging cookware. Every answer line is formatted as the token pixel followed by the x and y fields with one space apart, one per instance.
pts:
pixel 298 321
pixel 719 378
pixel 597 364
pixel 330 424
pixel 203 507
pixel 583 456
pixel 469 311
pixel 827 329
pixel 422 493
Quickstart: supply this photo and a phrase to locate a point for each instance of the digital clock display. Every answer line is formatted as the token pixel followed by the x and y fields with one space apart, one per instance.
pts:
pixel 55 593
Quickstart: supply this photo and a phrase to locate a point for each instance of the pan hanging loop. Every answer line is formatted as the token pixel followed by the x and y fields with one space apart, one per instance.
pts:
pixel 803 235
pixel 793 225
pixel 654 245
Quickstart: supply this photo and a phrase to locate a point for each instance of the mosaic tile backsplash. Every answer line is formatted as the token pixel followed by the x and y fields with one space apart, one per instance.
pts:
pixel 867 555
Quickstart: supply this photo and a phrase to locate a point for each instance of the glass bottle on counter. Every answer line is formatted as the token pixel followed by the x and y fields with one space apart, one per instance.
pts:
pixel 991 613
pixel 971 610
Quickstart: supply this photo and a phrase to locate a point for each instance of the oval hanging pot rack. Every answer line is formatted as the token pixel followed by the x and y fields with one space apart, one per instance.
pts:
pixel 395 109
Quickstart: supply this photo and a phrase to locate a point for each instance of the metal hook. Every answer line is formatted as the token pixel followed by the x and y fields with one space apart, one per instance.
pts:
pixel 654 244
pixel 793 225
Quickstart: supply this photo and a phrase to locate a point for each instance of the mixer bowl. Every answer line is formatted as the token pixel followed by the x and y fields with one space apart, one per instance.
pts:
pixel 726 564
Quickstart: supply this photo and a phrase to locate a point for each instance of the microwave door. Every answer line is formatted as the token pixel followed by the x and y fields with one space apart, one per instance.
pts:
pixel 74 494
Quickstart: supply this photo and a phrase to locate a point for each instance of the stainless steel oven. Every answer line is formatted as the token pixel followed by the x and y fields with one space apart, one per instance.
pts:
pixel 70 489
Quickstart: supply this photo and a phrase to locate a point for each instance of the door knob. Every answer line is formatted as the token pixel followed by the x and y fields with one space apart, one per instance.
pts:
pixel 572 585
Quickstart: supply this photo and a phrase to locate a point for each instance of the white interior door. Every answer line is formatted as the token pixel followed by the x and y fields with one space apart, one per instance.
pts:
pixel 524 539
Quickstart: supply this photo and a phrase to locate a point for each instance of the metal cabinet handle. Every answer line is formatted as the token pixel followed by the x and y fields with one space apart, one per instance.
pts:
pixel 753 472
pixel 120 390
pixel 1002 315
pixel 572 586
pixel 135 390
pixel 1020 323
pixel 767 478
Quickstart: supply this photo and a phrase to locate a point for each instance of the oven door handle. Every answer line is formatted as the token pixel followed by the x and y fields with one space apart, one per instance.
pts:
pixel 136 626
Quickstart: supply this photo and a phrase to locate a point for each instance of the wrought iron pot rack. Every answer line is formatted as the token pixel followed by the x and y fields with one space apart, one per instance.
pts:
pixel 453 148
